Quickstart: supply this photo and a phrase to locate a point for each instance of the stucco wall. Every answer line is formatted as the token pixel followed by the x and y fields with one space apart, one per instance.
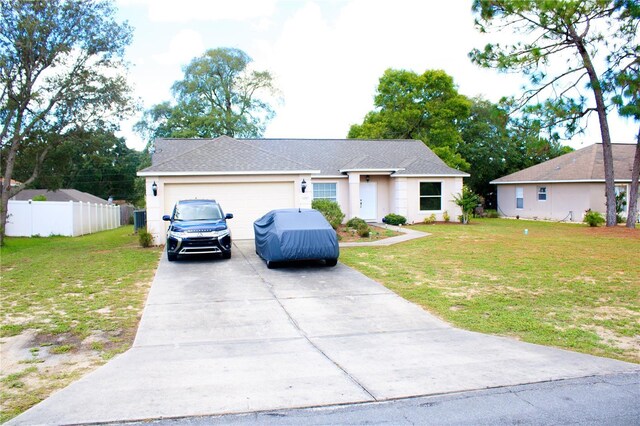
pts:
pixel 566 201
pixel 450 187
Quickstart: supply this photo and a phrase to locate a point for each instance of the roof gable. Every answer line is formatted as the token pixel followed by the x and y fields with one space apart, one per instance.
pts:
pixel 586 164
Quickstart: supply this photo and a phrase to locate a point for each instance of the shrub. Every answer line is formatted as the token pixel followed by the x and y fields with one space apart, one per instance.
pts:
pixel 144 237
pixel 330 210
pixel 364 231
pixel 430 219
pixel 40 197
pixel 467 200
pixel 445 216
pixel 394 219
pixel 360 226
pixel 594 218
pixel 355 223
pixel 493 214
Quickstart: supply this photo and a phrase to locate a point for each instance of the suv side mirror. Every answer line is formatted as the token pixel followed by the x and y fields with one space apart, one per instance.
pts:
pixel 228 216
pixel 166 217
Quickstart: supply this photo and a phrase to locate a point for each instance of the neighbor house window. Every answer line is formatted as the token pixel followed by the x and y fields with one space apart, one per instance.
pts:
pixel 542 193
pixel 519 197
pixel 430 196
pixel 324 191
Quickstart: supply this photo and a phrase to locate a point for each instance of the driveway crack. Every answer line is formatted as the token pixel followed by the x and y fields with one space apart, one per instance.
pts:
pixel 302 332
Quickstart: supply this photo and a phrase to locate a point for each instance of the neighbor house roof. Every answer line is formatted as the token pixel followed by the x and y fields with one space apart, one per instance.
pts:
pixel 583 165
pixel 59 195
pixel 322 157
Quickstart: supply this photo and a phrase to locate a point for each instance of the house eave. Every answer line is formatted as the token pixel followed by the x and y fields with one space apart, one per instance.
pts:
pixel 427 175
pixel 372 171
pixel 523 182
pixel 230 173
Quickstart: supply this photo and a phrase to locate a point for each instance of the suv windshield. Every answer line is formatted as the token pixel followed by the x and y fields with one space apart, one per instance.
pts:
pixel 197 212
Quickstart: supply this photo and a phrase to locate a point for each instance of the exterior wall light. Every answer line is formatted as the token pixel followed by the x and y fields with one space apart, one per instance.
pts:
pixel 154 188
pixel 367 178
pixel 303 186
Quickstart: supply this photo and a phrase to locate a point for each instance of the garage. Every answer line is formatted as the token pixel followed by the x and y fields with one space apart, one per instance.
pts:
pixel 247 200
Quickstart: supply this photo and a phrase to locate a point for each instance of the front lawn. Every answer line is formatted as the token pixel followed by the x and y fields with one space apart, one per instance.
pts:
pixel 562 285
pixel 68 305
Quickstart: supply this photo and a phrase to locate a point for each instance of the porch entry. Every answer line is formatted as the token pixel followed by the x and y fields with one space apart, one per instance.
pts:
pixel 368 201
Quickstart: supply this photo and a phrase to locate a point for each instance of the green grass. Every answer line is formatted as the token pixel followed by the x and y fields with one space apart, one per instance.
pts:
pixel 64 290
pixel 562 285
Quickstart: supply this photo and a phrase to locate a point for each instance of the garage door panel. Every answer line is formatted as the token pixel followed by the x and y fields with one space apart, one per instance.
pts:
pixel 247 201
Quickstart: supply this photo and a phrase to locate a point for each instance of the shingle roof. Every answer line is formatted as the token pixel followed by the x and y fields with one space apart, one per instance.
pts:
pixel 328 156
pixel 585 164
pixel 59 195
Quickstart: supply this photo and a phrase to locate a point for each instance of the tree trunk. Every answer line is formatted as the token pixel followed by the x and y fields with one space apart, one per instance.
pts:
pixel 632 197
pixel 607 152
pixel 6 188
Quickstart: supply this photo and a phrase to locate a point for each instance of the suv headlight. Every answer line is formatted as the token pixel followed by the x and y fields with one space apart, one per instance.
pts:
pixel 222 233
pixel 178 234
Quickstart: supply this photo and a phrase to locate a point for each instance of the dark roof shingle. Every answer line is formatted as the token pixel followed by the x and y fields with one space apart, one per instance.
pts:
pixel 329 156
pixel 585 164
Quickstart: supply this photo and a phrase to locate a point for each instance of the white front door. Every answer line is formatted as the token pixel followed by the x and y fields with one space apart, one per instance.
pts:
pixel 368 201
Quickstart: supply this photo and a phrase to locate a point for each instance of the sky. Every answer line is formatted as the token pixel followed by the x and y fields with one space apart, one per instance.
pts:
pixel 326 55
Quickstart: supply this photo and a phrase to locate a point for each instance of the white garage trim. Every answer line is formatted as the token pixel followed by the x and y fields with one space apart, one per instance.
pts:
pixel 247 197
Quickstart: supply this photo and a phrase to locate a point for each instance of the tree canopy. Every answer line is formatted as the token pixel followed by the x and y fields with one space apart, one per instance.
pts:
pixel 558 45
pixel 96 162
pixel 424 106
pixel 496 145
pixel 219 95
pixel 61 69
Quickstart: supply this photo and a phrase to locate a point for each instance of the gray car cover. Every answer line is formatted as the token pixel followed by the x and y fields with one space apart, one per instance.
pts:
pixel 295 234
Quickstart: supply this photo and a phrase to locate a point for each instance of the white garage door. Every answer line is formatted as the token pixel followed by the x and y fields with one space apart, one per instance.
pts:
pixel 247 201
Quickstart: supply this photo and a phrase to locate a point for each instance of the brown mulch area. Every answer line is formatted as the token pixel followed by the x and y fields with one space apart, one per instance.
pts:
pixel 619 231
pixel 377 233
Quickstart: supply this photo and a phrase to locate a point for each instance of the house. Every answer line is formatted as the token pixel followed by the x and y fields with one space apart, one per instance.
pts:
pixel 249 177
pixel 564 187
pixel 59 195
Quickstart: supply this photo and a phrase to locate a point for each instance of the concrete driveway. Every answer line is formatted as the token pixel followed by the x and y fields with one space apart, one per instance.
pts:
pixel 233 336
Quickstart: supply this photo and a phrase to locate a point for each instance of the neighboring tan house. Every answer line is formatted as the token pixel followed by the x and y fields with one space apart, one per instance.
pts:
pixel 565 187
pixel 249 177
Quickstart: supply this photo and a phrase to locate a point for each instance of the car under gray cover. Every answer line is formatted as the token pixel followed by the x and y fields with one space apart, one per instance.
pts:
pixel 295 234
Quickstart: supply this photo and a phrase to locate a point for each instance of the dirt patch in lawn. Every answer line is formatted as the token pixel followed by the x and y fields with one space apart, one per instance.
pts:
pixel 35 365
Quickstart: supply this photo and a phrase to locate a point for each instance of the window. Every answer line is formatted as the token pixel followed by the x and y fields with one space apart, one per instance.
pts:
pixel 519 197
pixel 430 196
pixel 324 191
pixel 542 193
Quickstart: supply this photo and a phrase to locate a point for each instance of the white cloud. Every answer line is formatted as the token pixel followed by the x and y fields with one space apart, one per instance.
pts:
pixel 329 70
pixel 204 10
pixel 184 46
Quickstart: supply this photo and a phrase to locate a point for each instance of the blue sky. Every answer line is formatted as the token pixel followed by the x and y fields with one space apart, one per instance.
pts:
pixel 326 56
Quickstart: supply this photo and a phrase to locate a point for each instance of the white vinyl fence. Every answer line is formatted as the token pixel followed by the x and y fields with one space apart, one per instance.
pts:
pixel 69 218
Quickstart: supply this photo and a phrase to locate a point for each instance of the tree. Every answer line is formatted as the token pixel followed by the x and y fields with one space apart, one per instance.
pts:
pixel 467 200
pixel 60 65
pixel 626 81
pixel 425 107
pixel 219 95
pixel 557 50
pixel 96 162
pixel 496 145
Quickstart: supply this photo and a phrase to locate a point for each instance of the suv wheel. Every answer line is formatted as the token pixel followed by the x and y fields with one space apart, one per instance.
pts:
pixel 226 254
